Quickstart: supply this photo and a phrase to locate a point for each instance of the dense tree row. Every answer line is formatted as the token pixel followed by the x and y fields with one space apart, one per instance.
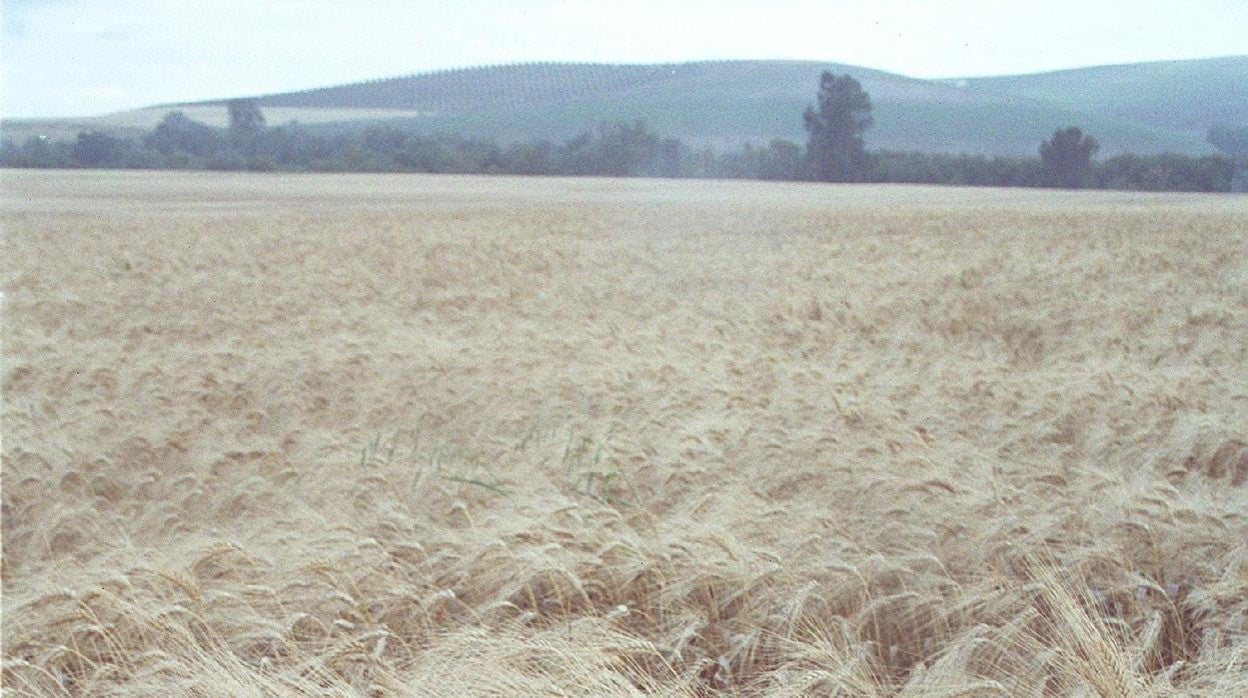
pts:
pixel 1165 172
pixel 618 150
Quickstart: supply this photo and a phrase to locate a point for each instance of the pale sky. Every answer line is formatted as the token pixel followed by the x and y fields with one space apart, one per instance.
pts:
pixel 85 57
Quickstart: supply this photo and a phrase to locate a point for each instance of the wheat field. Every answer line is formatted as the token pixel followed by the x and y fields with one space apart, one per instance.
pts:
pixel 440 436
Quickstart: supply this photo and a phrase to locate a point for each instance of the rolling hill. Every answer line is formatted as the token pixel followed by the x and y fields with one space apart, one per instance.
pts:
pixel 1143 108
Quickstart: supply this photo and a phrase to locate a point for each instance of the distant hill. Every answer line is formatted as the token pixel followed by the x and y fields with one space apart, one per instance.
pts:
pixel 1175 95
pixel 1143 108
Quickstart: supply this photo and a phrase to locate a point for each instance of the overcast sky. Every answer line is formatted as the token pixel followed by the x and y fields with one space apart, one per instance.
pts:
pixel 80 57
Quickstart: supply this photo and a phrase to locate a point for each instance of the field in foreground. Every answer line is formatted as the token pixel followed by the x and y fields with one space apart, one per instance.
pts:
pixel 441 436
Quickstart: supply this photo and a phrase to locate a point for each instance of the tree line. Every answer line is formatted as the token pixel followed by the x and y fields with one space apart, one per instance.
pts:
pixel 835 151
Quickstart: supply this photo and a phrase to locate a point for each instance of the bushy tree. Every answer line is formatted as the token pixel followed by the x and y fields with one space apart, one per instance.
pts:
pixel 625 150
pixel 177 133
pixel 96 149
pixel 1067 158
pixel 835 151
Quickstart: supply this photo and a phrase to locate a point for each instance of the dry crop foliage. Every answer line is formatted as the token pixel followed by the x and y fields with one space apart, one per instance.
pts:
pixel 447 436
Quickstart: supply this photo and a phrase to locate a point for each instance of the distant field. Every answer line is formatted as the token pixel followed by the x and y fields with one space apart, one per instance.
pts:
pixel 373 435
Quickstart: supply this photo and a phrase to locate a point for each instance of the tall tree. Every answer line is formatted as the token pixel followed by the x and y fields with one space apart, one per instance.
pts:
pixel 1067 158
pixel 834 150
pixel 246 122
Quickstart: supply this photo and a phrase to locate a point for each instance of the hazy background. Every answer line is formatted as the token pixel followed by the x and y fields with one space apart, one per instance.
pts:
pixel 80 57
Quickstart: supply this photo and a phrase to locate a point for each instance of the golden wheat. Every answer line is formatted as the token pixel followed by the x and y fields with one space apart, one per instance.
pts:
pixel 288 435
